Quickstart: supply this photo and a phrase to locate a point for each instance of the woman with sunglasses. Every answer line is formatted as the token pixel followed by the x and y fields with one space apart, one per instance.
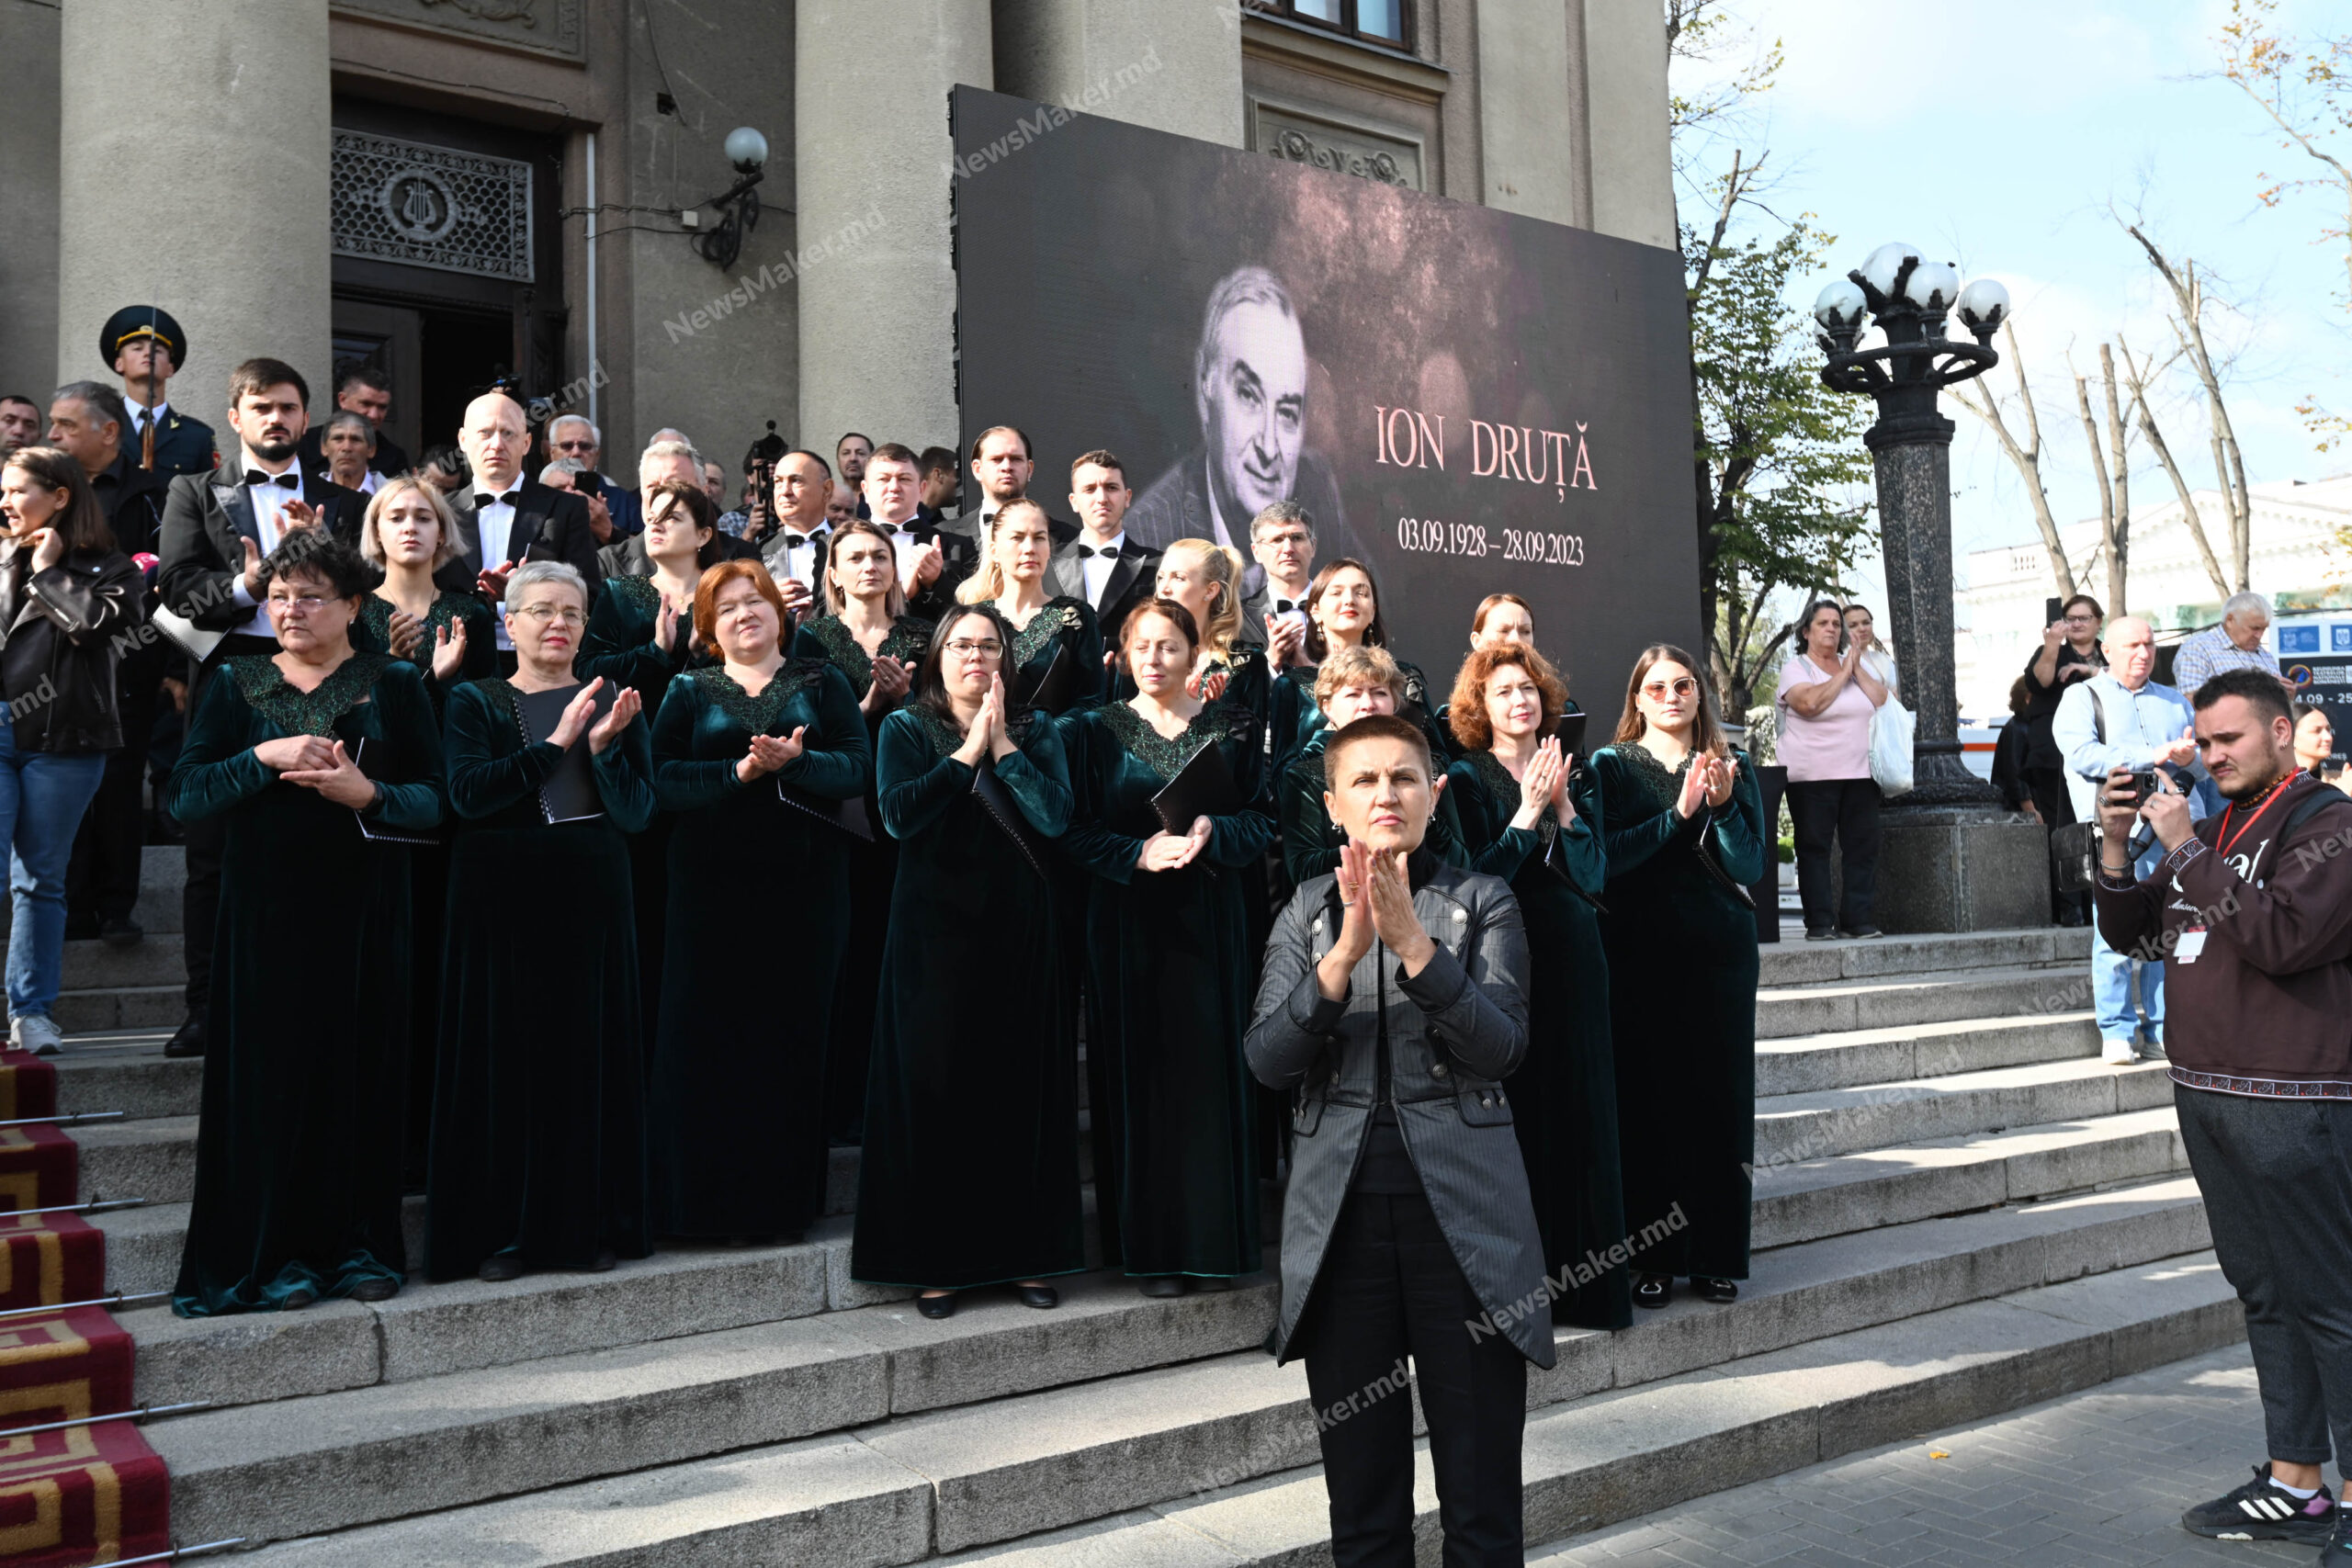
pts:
pixel 1682 825
pixel 867 634
pixel 1525 819
pixel 970 1175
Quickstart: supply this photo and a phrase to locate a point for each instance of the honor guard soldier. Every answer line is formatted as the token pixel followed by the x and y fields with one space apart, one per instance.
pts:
pixel 145 347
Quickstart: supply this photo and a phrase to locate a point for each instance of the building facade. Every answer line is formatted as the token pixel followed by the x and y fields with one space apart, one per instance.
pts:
pixel 466 190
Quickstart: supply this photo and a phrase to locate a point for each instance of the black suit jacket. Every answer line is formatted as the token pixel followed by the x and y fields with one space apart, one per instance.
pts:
pixel 772 557
pixel 132 499
pixel 202 555
pixel 390 458
pixel 1130 582
pixel 550 524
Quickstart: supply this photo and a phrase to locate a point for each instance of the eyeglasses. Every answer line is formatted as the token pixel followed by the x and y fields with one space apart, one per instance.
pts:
pixel 1658 691
pixel 964 648
pixel 575 446
pixel 543 614
pixel 303 603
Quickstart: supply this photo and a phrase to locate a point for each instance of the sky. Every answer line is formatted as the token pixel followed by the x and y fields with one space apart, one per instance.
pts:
pixel 1997 135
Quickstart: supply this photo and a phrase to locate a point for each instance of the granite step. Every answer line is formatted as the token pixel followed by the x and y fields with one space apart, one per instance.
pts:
pixel 1800 1063
pixel 115 1010
pixel 157 959
pixel 1805 962
pixel 1790 1128
pixel 1926 997
pixel 127 1073
pixel 1026 1461
pixel 1215 1457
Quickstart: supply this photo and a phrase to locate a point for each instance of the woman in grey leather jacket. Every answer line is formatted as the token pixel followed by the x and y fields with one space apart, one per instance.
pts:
pixel 1393 1003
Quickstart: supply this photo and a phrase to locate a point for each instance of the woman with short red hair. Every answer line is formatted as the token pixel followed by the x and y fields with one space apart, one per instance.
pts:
pixel 756 756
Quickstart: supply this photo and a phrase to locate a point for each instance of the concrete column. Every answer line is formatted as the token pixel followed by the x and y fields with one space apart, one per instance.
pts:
pixel 1530 119
pixel 1175 68
pixel 28 37
pixel 1631 155
pixel 193 176
pixel 871 159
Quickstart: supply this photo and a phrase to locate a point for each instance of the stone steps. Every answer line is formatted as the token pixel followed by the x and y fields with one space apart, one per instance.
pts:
pixel 1810 962
pixel 1883 1331
pixel 1922 998
pixel 1800 1063
pixel 1794 1127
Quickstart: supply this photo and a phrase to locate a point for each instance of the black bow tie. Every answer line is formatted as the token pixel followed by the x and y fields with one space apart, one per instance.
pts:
pixel 510 498
pixel 1285 606
pixel 290 479
pixel 1088 552
pixel 794 541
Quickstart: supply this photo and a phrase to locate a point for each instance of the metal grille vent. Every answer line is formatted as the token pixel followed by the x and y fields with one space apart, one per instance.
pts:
pixel 406 201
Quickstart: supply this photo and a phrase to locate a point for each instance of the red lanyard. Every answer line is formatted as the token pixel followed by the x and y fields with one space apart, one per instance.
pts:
pixel 2269 799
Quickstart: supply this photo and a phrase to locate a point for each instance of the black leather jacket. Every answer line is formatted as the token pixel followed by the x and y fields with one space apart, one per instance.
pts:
pixel 60 633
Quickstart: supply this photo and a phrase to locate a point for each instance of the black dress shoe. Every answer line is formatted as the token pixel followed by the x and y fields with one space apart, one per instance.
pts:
pixel 1712 1290
pixel 1161 1285
pixel 936 1306
pixel 1211 1283
pixel 297 1298
pixel 1039 1296
pixel 1653 1290
pixel 500 1267
pixel 188 1041
pixel 121 932
pixel 605 1263
pixel 375 1289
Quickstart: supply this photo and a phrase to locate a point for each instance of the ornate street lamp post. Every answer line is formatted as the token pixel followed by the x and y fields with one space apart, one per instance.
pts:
pixel 1907 299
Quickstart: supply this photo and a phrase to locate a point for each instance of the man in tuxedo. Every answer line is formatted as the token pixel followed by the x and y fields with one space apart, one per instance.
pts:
pixel 505 518
pixel 1250 381
pixel 218 528
pixel 1274 590
pixel 1104 565
pixel 930 562
pixel 365 390
pixel 85 421
pixel 802 539
pixel 146 348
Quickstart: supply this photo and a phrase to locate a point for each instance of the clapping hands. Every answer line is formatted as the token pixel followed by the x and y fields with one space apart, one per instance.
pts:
pixel 770 752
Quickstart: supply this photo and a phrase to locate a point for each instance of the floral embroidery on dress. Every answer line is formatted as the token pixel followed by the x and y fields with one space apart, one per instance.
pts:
pixel 376 619
pixel 758 714
pixel 1058 616
pixel 269 693
pixel 1507 797
pixel 639 594
pixel 1167 757
pixel 907 640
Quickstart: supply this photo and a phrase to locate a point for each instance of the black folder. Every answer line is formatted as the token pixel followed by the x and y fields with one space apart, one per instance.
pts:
pixel 849 815
pixel 570 793
pixel 1570 735
pixel 367 764
pixel 997 802
pixel 1204 786
pixel 1050 691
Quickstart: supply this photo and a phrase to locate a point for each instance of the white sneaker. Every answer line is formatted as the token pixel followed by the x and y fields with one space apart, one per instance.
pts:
pixel 36 1032
pixel 2118 1053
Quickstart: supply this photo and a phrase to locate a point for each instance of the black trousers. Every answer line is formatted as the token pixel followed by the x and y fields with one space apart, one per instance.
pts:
pixel 1389 1289
pixel 2277 1175
pixel 1845 811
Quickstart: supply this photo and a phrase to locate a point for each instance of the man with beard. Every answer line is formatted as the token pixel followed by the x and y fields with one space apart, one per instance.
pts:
pixel 218 527
pixel 1250 375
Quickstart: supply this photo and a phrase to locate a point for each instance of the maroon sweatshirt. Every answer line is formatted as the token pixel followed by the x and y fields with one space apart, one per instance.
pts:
pixel 2257 940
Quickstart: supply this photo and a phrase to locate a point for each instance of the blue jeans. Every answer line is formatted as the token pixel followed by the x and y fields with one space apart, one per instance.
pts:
pixel 42 798
pixel 2112 988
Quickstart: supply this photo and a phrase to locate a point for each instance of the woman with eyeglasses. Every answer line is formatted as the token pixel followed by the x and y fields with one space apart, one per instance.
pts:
pixel 867 634
pixel 1342 611
pixel 538 1119
pixel 755 757
pixel 1171 967
pixel 305 755
pixel 1528 818
pixel 408 533
pixel 1045 628
pixel 971 1174
pixel 1827 698
pixel 1682 829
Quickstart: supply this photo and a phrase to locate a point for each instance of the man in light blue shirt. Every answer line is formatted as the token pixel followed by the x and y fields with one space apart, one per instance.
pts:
pixel 2120 719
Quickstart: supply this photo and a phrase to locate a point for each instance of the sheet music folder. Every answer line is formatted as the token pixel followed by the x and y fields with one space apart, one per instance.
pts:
pixel 570 793
pixel 1204 786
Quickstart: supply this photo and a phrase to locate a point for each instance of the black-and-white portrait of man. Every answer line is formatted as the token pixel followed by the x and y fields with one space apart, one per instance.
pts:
pixel 1249 388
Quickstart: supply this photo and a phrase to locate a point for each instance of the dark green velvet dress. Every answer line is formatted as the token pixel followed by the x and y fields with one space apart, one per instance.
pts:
pixel 297 1153
pixel 1169 971
pixel 872 870
pixel 759 907
pixel 1564 1097
pixel 1311 841
pixel 971 1174
pixel 1682 968
pixel 1294 718
pixel 539 1119
pixel 619 646
pixel 1062 625
pixel 428 869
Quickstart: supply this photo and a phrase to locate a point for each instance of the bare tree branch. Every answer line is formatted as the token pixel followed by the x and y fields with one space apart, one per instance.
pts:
pixel 2113 541
pixel 2229 463
pixel 2136 380
pixel 2026 457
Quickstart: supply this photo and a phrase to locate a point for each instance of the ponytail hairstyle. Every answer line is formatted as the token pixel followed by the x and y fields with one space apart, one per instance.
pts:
pixel 988 584
pixel 1222 565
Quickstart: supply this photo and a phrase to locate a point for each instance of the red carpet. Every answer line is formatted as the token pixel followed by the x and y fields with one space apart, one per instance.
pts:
pixel 28 1086
pixel 49 1259
pixel 85 1495
pixel 38 1168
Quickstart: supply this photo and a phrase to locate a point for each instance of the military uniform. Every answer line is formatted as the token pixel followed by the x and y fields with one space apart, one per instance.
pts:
pixel 183 445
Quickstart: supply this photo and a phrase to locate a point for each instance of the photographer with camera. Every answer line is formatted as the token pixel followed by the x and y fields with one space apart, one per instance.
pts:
pixel 2253 907
pixel 2120 719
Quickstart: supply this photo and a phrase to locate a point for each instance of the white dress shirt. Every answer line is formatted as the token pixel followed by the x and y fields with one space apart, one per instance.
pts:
pixel 269 502
pixel 1099 566
pixel 371 482
pixel 904 547
pixel 799 561
pixel 1281 606
pixel 494 526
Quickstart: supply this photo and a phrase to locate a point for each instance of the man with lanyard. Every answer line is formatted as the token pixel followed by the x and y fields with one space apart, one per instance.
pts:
pixel 2254 909
pixel 2120 719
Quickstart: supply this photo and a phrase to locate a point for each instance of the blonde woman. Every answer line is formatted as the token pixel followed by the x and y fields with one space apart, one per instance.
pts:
pixel 1012 576
pixel 409 534
pixel 1205 577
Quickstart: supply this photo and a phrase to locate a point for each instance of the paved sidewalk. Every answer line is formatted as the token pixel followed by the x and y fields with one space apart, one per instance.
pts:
pixel 2095 1478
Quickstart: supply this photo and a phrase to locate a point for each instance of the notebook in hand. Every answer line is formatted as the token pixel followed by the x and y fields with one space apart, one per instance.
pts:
pixel 368 760
pixel 1204 786
pixel 1005 812
pixel 1050 691
pixel 570 793
pixel 1571 734
pixel 849 815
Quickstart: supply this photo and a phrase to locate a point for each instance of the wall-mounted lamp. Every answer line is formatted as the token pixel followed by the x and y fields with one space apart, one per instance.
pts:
pixel 739 208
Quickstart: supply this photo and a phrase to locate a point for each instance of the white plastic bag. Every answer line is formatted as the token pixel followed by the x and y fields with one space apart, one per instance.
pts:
pixel 1892 729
